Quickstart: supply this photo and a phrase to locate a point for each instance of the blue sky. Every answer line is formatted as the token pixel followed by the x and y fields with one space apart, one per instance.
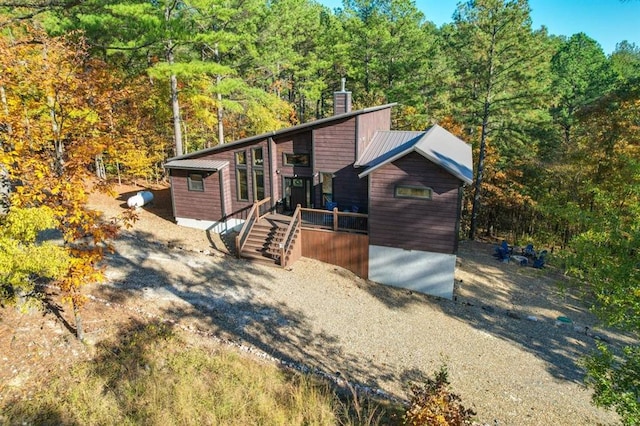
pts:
pixel 606 21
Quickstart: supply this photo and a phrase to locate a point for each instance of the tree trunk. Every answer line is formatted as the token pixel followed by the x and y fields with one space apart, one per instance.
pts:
pixel 78 319
pixel 175 106
pixel 483 143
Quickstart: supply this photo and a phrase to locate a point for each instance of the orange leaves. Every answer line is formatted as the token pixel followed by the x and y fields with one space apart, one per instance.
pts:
pixel 58 105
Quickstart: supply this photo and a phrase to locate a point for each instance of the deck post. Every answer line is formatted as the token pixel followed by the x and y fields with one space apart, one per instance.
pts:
pixel 335 218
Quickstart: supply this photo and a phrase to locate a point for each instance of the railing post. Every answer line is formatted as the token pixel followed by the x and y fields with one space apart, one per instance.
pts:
pixel 335 218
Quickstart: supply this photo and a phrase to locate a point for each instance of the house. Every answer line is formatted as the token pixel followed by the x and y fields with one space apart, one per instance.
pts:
pixel 403 187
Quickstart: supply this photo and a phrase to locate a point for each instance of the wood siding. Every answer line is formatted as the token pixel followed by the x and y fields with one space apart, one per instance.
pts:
pixel 350 251
pixel 413 224
pixel 299 143
pixel 232 204
pixel 205 205
pixel 369 124
pixel 334 149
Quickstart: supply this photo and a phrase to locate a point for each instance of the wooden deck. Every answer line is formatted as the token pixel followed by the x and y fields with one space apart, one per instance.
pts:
pixel 338 238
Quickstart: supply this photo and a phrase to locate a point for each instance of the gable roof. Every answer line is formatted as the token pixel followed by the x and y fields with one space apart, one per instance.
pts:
pixel 436 144
pixel 293 129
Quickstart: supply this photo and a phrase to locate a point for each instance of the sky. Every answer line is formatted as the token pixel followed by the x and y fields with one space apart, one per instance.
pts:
pixel 606 21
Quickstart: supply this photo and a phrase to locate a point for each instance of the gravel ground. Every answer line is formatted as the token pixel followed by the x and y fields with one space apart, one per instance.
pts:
pixel 507 357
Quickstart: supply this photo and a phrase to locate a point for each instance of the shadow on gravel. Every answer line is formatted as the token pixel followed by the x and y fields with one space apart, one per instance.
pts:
pixel 226 299
pixel 505 312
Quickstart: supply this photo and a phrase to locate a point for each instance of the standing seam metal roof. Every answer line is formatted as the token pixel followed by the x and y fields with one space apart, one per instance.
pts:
pixel 436 144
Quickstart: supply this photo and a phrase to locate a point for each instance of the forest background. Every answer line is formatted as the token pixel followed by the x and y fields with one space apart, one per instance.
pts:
pixel 117 87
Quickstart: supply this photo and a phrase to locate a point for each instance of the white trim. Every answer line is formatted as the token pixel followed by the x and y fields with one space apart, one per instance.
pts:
pixel 219 227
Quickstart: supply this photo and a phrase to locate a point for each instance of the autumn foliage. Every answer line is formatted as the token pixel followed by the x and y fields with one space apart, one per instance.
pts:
pixel 57 110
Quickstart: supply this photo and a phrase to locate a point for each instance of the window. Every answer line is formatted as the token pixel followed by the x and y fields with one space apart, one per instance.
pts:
pixel 303 160
pixel 258 174
pixel 195 182
pixel 258 183
pixel 242 177
pixel 258 160
pixel 418 192
pixel 326 180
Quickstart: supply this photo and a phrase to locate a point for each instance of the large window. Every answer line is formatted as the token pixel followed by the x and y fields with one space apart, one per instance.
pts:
pixel 303 160
pixel 195 182
pixel 416 192
pixel 258 174
pixel 242 177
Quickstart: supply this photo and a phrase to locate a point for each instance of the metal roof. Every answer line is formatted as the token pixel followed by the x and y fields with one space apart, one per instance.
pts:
pixel 386 142
pixel 195 164
pixel 436 144
pixel 293 129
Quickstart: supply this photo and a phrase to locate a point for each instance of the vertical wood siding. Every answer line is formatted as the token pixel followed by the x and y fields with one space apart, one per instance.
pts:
pixel 334 149
pixel 369 124
pixel 199 206
pixel 350 251
pixel 204 205
pixel 428 225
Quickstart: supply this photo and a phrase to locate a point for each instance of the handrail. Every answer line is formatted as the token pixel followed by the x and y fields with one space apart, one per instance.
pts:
pixel 241 238
pixel 293 226
pixel 335 215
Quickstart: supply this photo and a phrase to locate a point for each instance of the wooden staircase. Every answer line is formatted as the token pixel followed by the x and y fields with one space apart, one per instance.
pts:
pixel 266 239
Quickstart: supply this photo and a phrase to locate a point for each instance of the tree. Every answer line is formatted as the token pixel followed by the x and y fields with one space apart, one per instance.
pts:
pixel 501 70
pixel 606 248
pixel 54 126
pixel 625 61
pixel 23 260
pixel 581 75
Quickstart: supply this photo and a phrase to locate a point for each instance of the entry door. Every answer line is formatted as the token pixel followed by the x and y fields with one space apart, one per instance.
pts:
pixel 297 190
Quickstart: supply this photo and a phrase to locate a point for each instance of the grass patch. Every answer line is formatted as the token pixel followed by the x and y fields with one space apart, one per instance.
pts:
pixel 151 376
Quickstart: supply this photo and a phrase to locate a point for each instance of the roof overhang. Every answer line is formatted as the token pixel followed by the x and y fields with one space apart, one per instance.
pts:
pixel 196 164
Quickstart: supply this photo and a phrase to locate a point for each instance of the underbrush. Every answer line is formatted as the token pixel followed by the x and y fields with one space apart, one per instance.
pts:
pixel 151 376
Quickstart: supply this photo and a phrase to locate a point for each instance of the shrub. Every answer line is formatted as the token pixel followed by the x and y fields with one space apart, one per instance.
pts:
pixel 432 403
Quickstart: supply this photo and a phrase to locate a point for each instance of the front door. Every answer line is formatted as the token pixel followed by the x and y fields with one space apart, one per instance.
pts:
pixel 297 190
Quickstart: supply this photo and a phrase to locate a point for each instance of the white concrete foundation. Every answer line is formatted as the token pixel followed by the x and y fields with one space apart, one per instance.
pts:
pixel 425 272
pixel 213 226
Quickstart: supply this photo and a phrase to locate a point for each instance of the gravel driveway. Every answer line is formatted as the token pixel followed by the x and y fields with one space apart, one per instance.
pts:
pixel 507 357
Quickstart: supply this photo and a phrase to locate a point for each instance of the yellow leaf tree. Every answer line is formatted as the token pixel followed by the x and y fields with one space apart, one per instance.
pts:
pixel 57 106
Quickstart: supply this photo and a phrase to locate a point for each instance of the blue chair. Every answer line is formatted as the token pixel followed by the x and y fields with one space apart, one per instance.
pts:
pixel 528 251
pixel 538 261
pixel 503 252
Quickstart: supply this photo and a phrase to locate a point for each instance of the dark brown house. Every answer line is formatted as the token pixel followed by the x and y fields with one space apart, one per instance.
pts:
pixel 405 187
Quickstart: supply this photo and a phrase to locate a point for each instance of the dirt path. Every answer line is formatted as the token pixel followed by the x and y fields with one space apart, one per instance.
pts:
pixel 512 370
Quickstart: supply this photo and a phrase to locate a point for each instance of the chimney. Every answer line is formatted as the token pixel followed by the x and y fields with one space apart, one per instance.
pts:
pixel 341 100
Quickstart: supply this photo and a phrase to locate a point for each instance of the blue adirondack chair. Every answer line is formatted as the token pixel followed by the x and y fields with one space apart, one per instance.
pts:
pixel 538 261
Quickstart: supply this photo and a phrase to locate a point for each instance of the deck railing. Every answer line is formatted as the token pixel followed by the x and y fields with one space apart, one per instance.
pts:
pixel 335 220
pixel 294 226
pixel 258 210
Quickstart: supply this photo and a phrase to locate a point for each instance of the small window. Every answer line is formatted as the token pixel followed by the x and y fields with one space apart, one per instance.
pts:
pixel 258 159
pixel 418 192
pixel 303 160
pixel 195 182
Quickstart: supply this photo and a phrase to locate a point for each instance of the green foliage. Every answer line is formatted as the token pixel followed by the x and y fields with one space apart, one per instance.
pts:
pixel 23 260
pixel 432 403
pixel 616 381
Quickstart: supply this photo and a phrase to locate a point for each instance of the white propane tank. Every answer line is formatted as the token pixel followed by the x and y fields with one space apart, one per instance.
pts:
pixel 140 199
